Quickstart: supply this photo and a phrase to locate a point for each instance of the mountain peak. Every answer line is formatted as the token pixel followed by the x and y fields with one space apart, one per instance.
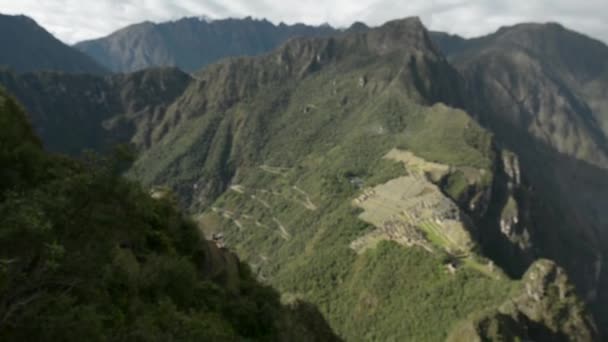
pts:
pixel 358 26
pixel 205 18
pixel 397 34
pixel 192 43
pixel 413 21
pixel 556 45
pixel 30 48
pixel 532 26
pixel 407 36
pixel 20 17
pixel 406 26
pixel 538 35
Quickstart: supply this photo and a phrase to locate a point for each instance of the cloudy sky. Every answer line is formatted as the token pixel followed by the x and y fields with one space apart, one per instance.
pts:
pixel 75 20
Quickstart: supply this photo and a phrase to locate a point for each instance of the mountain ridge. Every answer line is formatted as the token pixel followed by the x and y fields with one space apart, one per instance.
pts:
pixel 86 252
pixel 383 69
pixel 190 43
pixel 539 88
pixel 33 48
pixel 272 151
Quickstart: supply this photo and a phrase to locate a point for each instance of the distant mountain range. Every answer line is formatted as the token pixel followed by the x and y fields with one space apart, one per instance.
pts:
pixel 191 43
pixel 410 184
pixel 28 47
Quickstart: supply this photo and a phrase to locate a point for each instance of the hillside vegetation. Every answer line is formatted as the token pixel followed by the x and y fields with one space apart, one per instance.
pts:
pixel 363 173
pixel 86 253
pixel 541 89
pixel 272 151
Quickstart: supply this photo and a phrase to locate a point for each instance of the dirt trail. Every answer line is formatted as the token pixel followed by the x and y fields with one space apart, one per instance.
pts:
pixel 284 231
pixel 281 171
pixel 238 221
pixel 301 196
pixel 308 204
pixel 297 195
pixel 261 201
pixel 229 215
pixel 238 188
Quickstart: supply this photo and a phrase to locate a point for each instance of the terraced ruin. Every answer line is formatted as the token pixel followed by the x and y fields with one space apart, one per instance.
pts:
pixel 411 210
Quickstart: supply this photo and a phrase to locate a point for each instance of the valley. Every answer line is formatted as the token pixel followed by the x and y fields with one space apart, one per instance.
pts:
pixel 401 184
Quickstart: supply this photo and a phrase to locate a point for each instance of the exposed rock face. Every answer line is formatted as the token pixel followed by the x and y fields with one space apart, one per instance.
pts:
pixel 513 216
pixel 549 298
pixel 191 43
pixel 497 204
pixel 546 309
pixel 512 169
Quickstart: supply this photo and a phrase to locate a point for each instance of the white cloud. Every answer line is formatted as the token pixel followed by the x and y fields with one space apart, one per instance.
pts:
pixel 75 20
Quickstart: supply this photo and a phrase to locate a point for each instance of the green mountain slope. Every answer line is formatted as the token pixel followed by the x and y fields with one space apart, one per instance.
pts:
pixel 72 113
pixel 346 173
pixel 87 254
pixel 29 47
pixel 191 43
pixel 273 151
pixel 548 298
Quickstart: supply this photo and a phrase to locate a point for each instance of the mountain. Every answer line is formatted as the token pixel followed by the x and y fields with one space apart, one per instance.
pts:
pixel 366 174
pixel 191 43
pixel 290 140
pixel 547 290
pixel 88 253
pixel 541 89
pixel 29 47
pixel 543 61
pixel 97 112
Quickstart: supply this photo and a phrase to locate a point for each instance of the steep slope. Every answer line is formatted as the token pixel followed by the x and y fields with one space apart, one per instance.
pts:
pixel 191 43
pixel 277 152
pixel 72 113
pixel 540 88
pixel 87 254
pixel 249 100
pixel 332 166
pixel 546 309
pixel 545 80
pixel 449 44
pixel 29 47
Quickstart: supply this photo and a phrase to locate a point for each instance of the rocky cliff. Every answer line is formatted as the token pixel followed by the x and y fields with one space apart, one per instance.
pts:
pixel 191 43
pixel 546 308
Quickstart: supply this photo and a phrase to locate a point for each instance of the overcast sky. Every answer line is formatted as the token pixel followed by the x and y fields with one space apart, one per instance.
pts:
pixel 76 20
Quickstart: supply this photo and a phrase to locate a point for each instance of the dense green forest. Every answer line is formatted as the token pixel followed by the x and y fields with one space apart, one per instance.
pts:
pixel 391 183
pixel 87 253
